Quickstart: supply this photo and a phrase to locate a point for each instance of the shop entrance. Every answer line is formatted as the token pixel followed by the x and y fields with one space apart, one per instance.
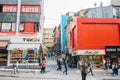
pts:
pixel 20 56
pixel 113 54
pixel 3 57
pixel 113 59
pixel 95 59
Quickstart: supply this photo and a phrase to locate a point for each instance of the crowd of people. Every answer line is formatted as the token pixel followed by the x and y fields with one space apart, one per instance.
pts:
pixel 85 66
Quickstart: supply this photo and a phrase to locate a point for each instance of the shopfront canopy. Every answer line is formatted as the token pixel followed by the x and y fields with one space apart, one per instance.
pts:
pixel 3 44
pixel 23 46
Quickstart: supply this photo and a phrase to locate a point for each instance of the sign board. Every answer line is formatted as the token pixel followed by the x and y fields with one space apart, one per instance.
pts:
pixel 112 49
pixel 25 40
pixel 27 9
pixel 89 52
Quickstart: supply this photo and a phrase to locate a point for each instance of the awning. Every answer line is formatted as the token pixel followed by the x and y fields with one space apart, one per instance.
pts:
pixel 23 46
pixel 3 44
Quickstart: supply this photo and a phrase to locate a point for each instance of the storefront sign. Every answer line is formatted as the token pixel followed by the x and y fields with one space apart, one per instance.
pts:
pixel 28 9
pixel 112 49
pixel 19 40
pixel 31 39
pixel 90 52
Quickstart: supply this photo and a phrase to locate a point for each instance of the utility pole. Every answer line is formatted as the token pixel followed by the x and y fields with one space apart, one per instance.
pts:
pixel 101 4
pixel 95 10
pixel 18 16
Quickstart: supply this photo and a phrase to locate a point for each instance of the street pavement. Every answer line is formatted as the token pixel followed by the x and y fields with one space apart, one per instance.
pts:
pixel 53 74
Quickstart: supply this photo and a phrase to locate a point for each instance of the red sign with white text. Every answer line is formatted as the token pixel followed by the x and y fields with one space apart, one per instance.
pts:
pixel 27 9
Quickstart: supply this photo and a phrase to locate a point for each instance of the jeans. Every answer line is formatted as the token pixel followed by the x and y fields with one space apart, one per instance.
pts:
pixel 83 74
pixel 90 70
pixel 15 70
pixel 42 70
pixel 65 71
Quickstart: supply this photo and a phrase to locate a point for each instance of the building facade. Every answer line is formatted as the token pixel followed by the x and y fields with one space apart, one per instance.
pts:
pixel 92 37
pixel 112 11
pixel 21 26
pixel 48 38
pixel 64 22
pixel 57 40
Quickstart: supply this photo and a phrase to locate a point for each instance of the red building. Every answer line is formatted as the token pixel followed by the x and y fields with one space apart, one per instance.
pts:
pixel 90 38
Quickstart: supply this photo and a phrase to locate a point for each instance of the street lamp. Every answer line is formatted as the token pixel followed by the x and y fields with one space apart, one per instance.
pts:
pixel 18 16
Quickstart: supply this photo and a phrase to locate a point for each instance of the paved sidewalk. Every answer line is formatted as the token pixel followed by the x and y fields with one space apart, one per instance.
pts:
pixel 53 74
pixel 73 74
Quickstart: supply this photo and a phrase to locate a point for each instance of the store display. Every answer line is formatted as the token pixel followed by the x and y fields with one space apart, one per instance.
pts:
pixel 18 55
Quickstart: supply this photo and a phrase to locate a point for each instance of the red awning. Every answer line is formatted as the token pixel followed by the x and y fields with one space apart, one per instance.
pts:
pixel 3 44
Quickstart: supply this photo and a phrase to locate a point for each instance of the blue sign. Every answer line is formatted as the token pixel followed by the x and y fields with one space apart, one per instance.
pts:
pixel 35 50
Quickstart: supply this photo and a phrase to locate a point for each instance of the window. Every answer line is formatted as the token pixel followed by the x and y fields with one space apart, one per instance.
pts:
pixel 6 27
pixel 36 27
pixel 29 27
pixel 13 27
pixel 21 28
pixel 118 13
pixel 0 8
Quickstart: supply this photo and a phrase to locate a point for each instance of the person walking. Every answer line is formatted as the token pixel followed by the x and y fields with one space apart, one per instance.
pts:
pixel 116 69
pixel 15 67
pixel 66 66
pixel 17 64
pixel 113 69
pixel 90 66
pixel 79 63
pixel 43 65
pixel 27 61
pixel 59 64
pixel 84 70
pixel 104 64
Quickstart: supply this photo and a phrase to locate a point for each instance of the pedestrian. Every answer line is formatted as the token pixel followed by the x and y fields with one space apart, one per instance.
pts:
pixel 116 69
pixel 27 60
pixel 104 64
pixel 80 63
pixel 59 64
pixel 90 66
pixel 84 70
pixel 17 64
pixel 15 67
pixel 43 65
pixel 66 66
